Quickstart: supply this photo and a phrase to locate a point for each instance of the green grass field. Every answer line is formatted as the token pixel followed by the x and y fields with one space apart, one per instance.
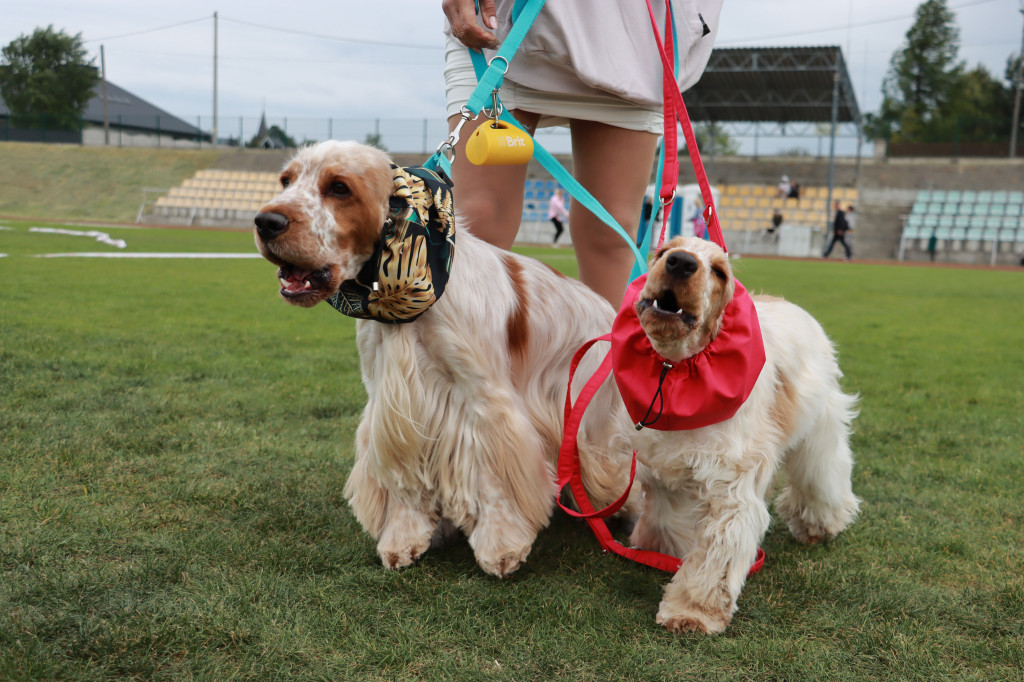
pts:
pixel 174 440
pixel 70 182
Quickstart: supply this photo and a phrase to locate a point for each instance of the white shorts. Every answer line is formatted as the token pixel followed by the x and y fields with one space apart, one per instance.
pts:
pixel 554 109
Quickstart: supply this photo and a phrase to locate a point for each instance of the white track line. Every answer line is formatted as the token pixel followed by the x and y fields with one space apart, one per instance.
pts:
pixel 121 254
pixel 101 237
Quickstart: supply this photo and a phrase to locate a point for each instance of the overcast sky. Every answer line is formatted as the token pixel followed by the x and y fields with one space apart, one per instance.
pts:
pixel 383 58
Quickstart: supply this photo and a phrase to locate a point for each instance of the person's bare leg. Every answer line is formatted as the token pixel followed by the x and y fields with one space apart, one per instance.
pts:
pixel 489 198
pixel 615 165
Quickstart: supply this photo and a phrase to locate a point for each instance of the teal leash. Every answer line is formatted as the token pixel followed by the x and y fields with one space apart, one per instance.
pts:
pixel 490 77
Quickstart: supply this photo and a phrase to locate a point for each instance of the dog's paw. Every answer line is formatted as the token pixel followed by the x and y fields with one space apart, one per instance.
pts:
pixel 503 564
pixel 813 524
pixel 809 534
pixel 405 537
pixel 400 557
pixel 692 620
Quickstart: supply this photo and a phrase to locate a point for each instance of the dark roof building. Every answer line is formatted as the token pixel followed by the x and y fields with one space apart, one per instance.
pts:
pixel 132 121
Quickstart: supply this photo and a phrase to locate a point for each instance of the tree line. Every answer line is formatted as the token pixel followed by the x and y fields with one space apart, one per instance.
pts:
pixel 929 93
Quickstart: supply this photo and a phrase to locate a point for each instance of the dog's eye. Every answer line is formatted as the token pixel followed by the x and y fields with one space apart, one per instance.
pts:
pixel 339 189
pixel 285 182
pixel 719 273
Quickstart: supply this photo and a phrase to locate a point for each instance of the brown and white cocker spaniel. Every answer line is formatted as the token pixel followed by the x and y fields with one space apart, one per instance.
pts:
pixel 463 419
pixel 705 488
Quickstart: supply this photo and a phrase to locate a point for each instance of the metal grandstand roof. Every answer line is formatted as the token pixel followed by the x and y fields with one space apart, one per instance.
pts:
pixel 774 84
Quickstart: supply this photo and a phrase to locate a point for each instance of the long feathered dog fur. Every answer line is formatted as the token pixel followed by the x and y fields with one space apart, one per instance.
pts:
pixel 705 489
pixel 464 405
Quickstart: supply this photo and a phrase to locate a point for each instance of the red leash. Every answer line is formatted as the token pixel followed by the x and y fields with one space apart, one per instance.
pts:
pixel 675 109
pixel 569 473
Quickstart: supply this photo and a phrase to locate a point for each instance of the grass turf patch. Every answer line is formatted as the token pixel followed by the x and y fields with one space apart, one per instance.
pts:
pixel 71 182
pixel 174 440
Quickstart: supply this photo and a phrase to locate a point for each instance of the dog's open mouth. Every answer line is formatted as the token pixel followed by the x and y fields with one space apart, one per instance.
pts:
pixel 666 304
pixel 297 282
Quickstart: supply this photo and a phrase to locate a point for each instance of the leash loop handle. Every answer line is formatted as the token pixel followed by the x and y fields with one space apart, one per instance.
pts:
pixel 569 472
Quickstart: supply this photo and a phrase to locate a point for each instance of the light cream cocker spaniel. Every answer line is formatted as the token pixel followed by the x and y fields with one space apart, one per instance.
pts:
pixel 705 489
pixel 463 418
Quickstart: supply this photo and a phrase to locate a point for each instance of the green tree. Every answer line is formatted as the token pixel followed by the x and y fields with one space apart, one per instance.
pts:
pixel 46 79
pixel 922 77
pixel 275 136
pixel 979 109
pixel 711 138
pixel 375 140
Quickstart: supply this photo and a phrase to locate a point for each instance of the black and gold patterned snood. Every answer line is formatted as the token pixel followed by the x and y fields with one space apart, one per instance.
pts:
pixel 409 267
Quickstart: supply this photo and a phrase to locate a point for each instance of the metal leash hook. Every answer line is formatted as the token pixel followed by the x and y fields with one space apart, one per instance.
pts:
pixel 447 148
pixel 496 109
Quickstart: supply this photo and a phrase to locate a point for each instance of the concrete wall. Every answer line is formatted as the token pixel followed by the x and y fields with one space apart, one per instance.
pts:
pixel 94 137
pixel 886 188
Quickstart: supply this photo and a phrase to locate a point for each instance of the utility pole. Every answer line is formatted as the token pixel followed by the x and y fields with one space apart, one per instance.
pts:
pixel 1015 121
pixel 214 129
pixel 106 106
pixel 832 143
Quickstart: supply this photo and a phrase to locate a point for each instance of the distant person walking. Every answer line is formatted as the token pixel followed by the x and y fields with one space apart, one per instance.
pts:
pixel 557 213
pixel 840 228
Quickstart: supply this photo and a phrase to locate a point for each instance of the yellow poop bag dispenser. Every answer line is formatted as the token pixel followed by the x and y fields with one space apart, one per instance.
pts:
pixel 497 143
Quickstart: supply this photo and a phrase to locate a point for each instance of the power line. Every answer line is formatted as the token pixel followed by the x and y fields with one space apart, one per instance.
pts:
pixel 323 36
pixel 844 27
pixel 148 30
pixel 307 34
pixel 369 60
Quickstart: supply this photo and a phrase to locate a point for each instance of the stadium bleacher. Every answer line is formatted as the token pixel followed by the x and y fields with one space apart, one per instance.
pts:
pixel 740 207
pixel 943 221
pixel 212 193
pixel 750 207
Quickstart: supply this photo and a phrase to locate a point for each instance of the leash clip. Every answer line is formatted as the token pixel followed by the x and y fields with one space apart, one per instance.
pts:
pixel 447 148
pixel 496 108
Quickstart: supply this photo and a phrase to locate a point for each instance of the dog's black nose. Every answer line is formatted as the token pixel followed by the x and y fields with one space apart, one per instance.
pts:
pixel 270 225
pixel 680 264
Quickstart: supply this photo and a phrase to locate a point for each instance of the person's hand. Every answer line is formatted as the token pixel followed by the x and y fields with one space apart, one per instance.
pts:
pixel 462 17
